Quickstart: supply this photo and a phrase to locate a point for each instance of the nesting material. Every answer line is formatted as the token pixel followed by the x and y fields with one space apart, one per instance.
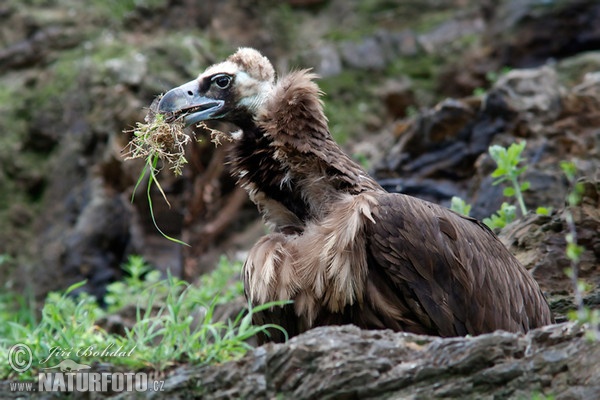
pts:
pixel 162 137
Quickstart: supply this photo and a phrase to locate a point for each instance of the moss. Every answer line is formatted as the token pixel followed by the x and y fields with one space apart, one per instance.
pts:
pixel 182 52
pixel 13 129
pixel 350 99
pixel 423 71
pixel 283 20
pixel 431 20
pixel 119 10
pixel 26 107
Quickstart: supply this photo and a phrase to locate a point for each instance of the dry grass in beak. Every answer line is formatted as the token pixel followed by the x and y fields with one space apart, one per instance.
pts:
pixel 157 139
pixel 162 138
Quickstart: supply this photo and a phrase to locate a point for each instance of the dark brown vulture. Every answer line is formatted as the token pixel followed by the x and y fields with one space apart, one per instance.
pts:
pixel 342 248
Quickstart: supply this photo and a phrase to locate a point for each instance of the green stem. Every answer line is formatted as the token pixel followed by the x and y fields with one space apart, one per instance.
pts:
pixel 519 196
pixel 572 239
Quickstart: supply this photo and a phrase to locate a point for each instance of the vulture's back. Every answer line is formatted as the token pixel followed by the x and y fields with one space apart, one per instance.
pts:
pixel 434 271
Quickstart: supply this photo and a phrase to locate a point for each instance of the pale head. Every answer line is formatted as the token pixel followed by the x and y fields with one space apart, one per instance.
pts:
pixel 233 91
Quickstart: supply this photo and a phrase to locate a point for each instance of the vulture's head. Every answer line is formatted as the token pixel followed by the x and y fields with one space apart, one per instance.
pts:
pixel 232 91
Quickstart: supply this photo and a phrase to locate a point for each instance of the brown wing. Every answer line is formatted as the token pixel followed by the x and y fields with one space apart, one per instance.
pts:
pixel 446 274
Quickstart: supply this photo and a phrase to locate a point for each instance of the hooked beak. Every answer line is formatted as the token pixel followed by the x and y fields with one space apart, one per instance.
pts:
pixel 186 101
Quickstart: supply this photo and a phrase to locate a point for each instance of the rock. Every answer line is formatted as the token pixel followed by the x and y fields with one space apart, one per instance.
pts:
pixel 404 43
pixel 397 95
pixel 442 36
pixel 131 70
pixel 524 34
pixel 327 61
pixel 366 54
pixel 573 69
pixel 448 144
pixel 92 241
pixel 527 33
pixel 535 93
pixel 38 47
pixel 539 243
pixel 442 144
pixel 346 362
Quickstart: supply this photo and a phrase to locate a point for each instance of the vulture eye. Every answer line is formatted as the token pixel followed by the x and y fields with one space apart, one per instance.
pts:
pixel 222 81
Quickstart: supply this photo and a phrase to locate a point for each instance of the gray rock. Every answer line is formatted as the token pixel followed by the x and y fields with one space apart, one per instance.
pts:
pixel 327 61
pixel 526 33
pixel 346 362
pixel 130 70
pixel 534 91
pixel 366 54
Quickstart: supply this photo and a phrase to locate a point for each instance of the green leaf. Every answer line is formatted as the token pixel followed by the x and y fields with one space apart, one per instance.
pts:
pixel 508 212
pixel 519 171
pixel 515 150
pixel 543 210
pixel 499 172
pixel 460 206
pixel 75 286
pixel 569 169
pixel 525 185
pixel 499 180
pixel 573 199
pixel 574 251
pixel 504 216
pixel 494 222
pixel 495 151
pixel 508 191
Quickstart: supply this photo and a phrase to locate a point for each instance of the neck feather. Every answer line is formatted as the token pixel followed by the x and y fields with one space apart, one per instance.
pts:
pixel 294 121
pixel 289 160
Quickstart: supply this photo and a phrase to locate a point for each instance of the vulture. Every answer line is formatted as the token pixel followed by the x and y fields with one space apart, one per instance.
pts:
pixel 340 247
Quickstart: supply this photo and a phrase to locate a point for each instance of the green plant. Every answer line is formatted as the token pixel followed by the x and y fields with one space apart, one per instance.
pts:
pixel 508 170
pixel 166 331
pixel 504 216
pixel 139 276
pixel 118 10
pixel 491 77
pixel 15 308
pixel 460 206
pixel 573 251
pixel 479 91
pixel 174 323
pixel 65 322
pixel 541 396
pixel 158 140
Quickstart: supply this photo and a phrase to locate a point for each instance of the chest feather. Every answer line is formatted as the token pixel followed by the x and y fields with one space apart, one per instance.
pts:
pixel 325 265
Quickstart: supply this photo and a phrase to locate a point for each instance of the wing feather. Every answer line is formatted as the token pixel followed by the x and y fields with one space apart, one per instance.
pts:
pixel 450 271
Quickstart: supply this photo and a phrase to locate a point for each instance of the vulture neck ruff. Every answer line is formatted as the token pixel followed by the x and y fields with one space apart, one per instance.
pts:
pixel 288 161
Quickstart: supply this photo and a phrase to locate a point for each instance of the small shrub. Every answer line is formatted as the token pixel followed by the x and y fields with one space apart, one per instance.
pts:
pixel 508 170
pixel 504 216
